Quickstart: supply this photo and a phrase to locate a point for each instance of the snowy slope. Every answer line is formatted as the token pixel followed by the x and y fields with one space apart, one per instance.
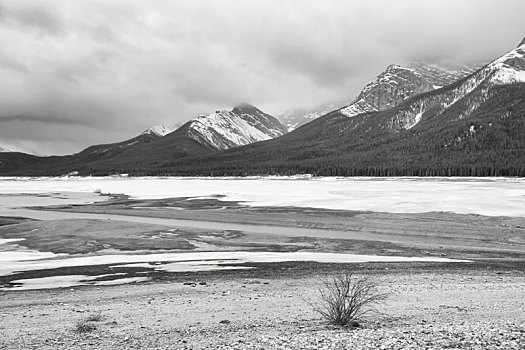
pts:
pixel 4 150
pixel 398 83
pixel 242 125
pixel 472 127
pixel 509 68
pixel 387 90
pixel 506 70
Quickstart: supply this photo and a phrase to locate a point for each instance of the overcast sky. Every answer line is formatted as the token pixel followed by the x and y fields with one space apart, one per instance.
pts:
pixel 77 72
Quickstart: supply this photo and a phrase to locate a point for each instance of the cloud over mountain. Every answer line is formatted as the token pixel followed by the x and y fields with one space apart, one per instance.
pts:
pixel 75 73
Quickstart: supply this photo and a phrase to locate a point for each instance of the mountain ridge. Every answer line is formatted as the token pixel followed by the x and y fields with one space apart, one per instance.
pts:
pixel 522 42
pixel 389 88
pixel 242 125
pixel 472 127
pixel 221 130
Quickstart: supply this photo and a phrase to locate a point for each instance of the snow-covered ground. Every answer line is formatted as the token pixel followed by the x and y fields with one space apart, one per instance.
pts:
pixel 484 196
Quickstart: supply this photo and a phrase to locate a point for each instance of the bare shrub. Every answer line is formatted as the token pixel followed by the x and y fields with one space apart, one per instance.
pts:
pixel 84 326
pixel 346 298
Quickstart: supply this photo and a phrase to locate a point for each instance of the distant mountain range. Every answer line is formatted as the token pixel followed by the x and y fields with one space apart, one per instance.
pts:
pixel 4 150
pixel 473 127
pixel 387 90
pixel 221 130
pixel 408 121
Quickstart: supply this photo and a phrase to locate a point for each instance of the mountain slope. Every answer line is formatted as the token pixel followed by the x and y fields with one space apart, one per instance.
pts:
pixel 17 163
pixel 387 90
pixel 242 125
pixel 397 84
pixel 221 130
pixel 473 127
pixel 218 131
pixel 116 149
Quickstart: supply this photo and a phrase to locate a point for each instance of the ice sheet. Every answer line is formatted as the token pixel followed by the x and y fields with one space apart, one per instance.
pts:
pixel 484 196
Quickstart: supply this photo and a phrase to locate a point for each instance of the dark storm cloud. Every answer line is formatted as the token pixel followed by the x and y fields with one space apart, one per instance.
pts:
pixel 104 70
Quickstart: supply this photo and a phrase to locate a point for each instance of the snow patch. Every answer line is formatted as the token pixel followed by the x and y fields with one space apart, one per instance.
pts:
pixel 159 130
pixel 508 75
pixel 357 108
pixel 417 119
pixel 508 68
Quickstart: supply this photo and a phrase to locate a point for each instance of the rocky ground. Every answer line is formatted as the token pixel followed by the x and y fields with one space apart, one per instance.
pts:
pixel 477 307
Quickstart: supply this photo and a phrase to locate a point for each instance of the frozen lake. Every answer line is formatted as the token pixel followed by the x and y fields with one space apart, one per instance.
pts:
pixel 484 196
pixel 491 197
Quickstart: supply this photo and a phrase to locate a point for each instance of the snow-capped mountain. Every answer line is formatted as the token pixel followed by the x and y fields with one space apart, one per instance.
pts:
pixel 398 83
pixel 507 70
pixel 159 130
pixel 472 127
pixel 387 90
pixel 4 150
pixel 159 146
pixel 242 125
pixel 221 130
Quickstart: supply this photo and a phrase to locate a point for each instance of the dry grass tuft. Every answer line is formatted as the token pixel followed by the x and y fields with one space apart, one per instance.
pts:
pixel 85 325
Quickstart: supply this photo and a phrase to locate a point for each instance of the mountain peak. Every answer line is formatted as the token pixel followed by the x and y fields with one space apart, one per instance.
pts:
pixel 159 130
pixel 522 42
pixel 245 108
pixel 245 124
pixel 394 67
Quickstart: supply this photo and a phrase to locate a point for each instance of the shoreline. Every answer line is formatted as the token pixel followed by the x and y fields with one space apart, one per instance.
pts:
pixel 433 305
pixel 446 306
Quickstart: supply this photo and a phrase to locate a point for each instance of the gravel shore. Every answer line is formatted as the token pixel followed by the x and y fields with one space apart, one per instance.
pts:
pixel 456 309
